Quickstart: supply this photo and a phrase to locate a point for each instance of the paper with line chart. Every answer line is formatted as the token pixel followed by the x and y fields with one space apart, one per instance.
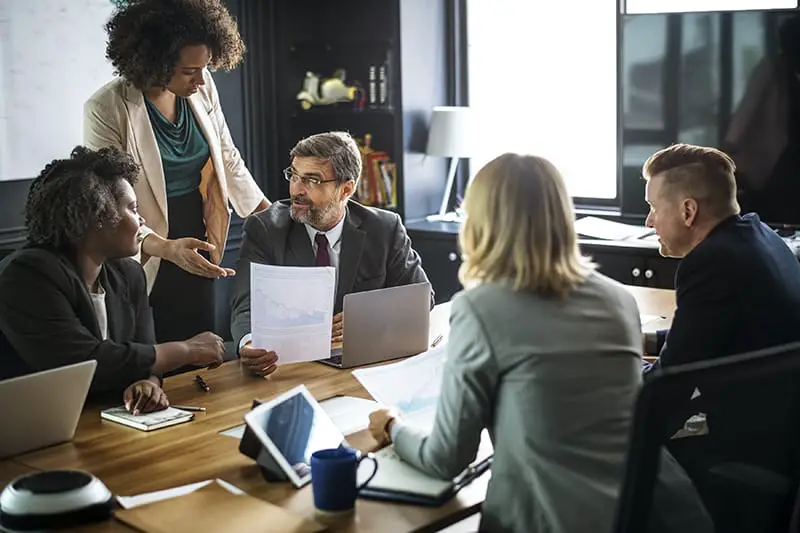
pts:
pixel 411 386
pixel 291 311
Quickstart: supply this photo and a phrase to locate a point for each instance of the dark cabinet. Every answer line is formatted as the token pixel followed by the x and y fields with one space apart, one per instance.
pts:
pixel 437 245
pixel 629 263
pixel 441 260
pixel 632 265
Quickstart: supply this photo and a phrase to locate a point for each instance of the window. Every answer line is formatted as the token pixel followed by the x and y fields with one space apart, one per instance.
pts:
pixel 542 79
pixel 42 87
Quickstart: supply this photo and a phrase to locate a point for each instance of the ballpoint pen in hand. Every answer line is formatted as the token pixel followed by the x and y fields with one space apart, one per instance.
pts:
pixel 201 382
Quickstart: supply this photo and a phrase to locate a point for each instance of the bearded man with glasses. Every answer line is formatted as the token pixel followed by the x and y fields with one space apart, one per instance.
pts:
pixel 320 225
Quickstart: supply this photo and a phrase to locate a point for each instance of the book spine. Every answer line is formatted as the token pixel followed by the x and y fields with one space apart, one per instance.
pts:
pixel 382 85
pixel 372 86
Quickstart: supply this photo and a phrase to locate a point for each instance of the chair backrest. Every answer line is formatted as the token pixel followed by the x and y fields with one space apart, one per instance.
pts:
pixel 666 390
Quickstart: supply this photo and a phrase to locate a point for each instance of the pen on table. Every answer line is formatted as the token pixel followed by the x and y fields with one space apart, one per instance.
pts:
pixel 201 382
pixel 189 408
pixel 437 340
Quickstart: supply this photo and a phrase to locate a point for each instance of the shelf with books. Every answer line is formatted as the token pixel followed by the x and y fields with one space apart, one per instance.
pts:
pixel 364 67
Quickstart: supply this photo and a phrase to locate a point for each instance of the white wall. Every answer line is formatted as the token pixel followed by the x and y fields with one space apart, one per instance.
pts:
pixel 52 58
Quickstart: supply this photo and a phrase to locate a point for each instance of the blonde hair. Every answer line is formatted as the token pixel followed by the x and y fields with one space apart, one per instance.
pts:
pixel 519 229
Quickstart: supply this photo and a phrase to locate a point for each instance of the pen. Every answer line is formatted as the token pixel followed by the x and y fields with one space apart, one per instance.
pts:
pixel 189 408
pixel 437 340
pixel 202 384
pixel 473 472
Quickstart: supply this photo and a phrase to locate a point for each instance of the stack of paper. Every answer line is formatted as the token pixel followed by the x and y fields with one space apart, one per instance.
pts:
pixel 213 508
pixel 600 228
pixel 129 502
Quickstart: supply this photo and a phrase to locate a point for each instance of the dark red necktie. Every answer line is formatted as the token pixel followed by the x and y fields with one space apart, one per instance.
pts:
pixel 323 259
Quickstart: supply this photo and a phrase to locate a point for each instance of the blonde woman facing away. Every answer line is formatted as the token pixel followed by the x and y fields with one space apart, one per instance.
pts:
pixel 544 352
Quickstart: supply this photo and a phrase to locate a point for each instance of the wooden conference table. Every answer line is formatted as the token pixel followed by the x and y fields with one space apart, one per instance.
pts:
pixel 132 462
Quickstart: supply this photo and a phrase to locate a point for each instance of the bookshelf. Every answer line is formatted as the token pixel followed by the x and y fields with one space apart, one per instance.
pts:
pixel 376 44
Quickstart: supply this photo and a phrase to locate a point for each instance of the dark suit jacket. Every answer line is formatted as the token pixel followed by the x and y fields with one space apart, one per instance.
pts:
pixel 375 253
pixel 737 291
pixel 47 319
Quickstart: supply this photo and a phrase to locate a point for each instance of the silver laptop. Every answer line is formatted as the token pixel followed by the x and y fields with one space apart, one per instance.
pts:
pixel 43 408
pixel 383 324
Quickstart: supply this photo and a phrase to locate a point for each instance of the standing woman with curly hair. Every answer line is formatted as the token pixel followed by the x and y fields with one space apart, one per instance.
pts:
pixel 164 110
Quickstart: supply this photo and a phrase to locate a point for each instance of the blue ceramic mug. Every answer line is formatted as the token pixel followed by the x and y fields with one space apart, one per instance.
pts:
pixel 333 478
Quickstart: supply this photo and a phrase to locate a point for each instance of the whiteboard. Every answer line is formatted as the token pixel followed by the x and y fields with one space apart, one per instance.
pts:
pixel 52 59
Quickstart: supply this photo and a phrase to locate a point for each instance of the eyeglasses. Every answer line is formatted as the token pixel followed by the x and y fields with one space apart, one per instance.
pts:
pixel 308 182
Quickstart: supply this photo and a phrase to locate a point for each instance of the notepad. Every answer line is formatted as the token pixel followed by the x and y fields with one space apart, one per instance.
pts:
pixel 147 421
pixel 396 475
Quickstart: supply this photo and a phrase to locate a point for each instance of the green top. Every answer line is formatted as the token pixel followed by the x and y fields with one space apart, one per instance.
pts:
pixel 184 150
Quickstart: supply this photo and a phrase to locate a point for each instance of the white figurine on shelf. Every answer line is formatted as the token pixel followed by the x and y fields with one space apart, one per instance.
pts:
pixel 332 90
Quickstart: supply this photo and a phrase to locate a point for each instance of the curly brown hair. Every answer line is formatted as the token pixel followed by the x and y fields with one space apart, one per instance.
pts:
pixel 145 38
pixel 72 196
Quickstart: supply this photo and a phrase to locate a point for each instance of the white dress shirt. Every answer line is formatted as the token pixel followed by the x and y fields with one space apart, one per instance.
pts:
pixel 99 304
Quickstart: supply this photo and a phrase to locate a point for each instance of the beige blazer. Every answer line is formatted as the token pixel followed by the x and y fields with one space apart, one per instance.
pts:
pixel 116 115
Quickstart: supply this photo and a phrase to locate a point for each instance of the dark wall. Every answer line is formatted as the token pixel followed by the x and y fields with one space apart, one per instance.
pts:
pixel 424 85
pixel 12 217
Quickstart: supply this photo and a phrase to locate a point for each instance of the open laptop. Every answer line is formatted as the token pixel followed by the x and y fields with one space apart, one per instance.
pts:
pixel 47 406
pixel 383 324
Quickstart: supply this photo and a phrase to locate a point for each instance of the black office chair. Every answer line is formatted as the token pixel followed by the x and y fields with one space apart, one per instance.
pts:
pixel 755 500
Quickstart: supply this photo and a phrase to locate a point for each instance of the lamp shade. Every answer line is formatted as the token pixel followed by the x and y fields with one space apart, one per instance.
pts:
pixel 450 133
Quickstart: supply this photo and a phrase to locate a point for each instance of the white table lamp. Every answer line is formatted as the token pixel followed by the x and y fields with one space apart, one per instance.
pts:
pixel 450 135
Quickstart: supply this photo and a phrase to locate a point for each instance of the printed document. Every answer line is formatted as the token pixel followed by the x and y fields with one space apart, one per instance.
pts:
pixel 411 386
pixel 291 311
pixel 600 228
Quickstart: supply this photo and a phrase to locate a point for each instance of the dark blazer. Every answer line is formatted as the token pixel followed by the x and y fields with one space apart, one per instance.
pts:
pixel 47 319
pixel 737 291
pixel 375 253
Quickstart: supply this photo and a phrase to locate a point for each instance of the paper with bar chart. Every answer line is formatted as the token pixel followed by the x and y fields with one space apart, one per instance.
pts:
pixel 291 311
pixel 411 386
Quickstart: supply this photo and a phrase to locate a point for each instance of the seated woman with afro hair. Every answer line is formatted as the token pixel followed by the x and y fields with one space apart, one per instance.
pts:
pixel 73 293
pixel 164 110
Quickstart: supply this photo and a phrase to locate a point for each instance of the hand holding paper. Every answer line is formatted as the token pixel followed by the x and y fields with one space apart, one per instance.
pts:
pixel 259 360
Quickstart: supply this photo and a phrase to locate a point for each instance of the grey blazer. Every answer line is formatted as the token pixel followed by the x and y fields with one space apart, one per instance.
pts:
pixel 554 381
pixel 376 253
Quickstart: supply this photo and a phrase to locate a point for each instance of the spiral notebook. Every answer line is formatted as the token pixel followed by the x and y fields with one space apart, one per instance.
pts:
pixel 147 421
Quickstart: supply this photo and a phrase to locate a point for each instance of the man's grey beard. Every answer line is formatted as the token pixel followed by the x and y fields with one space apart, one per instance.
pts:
pixel 316 216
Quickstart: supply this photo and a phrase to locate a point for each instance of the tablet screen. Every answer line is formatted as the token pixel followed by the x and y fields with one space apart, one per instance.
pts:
pixel 297 429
